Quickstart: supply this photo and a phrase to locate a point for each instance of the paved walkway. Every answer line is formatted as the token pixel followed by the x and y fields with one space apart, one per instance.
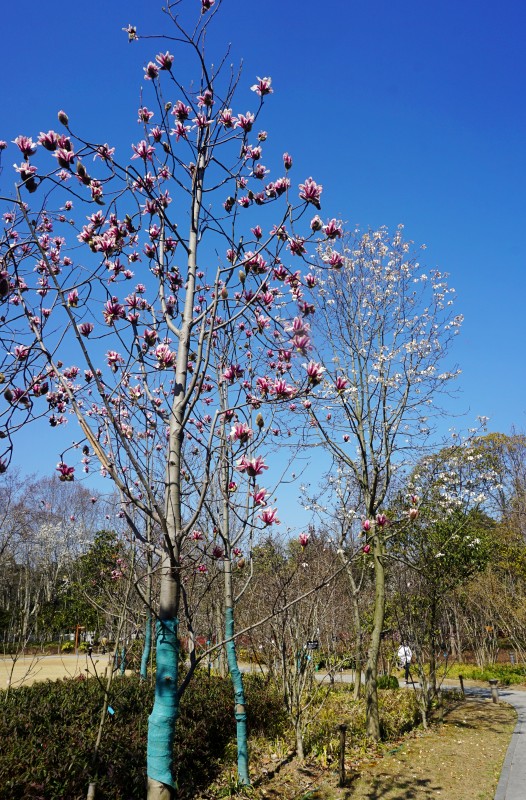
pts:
pixel 512 782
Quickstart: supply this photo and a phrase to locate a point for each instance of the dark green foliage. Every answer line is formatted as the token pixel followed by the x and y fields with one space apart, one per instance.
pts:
pixel 387 682
pixel 48 730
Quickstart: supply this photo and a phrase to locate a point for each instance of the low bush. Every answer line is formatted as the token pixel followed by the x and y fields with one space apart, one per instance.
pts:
pixel 48 730
pixel 387 682
pixel 399 713
pixel 506 674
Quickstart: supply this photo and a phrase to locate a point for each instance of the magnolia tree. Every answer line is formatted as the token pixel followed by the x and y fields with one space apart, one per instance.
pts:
pixel 121 275
pixel 384 328
pixel 448 542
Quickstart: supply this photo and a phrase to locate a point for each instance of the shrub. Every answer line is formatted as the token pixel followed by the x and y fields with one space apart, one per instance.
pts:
pixel 47 732
pixel 387 682
pixel 67 647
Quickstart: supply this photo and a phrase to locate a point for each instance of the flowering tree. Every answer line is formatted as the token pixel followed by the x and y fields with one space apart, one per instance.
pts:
pixel 448 542
pixel 384 329
pixel 133 357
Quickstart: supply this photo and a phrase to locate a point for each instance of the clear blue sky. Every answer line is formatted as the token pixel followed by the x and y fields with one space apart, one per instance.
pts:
pixel 406 111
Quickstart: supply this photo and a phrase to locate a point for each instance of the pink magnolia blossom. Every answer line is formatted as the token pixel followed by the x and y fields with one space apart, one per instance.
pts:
pixel 269 516
pixel 314 372
pixel 143 150
pixel 333 230
pixel 206 5
pixel 232 372
pixel 64 157
pixel 341 384
pixel 263 385
pixel 65 472
pixel 252 466
pixel 245 121
pixel 316 224
pixel 196 536
pixel 260 497
pixel 48 140
pixel 73 298
pixel 151 71
pixel 334 260
pixel 287 161
pixel 206 99
pixel 310 191
pixel 262 87
pixel 21 352
pixel 113 311
pixel 181 111
pixel 303 539
pixel 26 145
pixel 165 357
pixel 114 359
pixel 366 525
pixel 241 432
pixel 297 246
pixel 413 513
pixel 85 328
pixel 366 548
pixel 165 60
pixel 145 114
pixel 218 551
pixel 202 569
pixel 226 118
pixel 282 390
pixel 381 520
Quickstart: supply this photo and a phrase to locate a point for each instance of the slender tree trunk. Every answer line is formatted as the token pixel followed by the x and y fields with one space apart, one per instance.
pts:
pixel 371 669
pixel 300 751
pixel 432 692
pixel 161 723
pixel 237 681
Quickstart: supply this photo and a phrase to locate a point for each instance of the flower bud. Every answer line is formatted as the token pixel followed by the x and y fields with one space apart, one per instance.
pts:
pixel 63 118
pixel 260 422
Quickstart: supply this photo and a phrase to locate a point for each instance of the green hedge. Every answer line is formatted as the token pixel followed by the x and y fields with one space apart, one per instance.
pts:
pixel 387 682
pixel 47 733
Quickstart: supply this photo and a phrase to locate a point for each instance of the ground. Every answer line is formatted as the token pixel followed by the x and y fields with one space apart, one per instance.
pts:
pixel 28 669
pixel 460 758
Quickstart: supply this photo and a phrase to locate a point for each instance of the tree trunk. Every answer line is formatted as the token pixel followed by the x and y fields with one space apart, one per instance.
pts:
pixel 299 741
pixel 371 669
pixel 239 693
pixel 161 723
pixel 147 648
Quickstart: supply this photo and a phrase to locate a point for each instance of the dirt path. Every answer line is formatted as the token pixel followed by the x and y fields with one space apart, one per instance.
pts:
pixel 29 669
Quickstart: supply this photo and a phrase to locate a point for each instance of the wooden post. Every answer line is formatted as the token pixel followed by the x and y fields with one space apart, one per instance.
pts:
pixel 494 690
pixel 343 730
pixel 461 679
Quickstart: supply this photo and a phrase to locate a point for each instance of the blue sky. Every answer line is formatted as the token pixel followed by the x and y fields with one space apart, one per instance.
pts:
pixel 407 112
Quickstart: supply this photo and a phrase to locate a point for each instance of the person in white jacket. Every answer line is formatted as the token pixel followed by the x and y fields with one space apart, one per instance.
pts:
pixel 404 657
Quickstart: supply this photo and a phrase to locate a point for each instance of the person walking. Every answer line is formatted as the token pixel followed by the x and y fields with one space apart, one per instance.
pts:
pixel 404 657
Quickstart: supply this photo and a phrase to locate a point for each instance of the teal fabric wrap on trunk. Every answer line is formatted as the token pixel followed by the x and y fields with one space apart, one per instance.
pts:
pixel 146 650
pixel 161 722
pixel 239 694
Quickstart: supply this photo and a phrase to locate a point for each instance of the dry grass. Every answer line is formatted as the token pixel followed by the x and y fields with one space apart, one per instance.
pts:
pixel 460 758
